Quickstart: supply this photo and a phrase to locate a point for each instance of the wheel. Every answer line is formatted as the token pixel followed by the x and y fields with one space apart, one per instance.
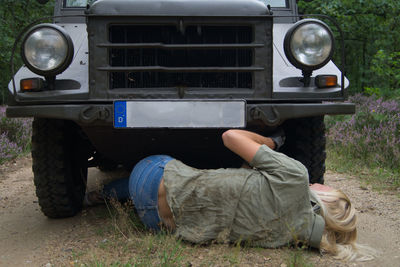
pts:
pixel 60 156
pixel 305 142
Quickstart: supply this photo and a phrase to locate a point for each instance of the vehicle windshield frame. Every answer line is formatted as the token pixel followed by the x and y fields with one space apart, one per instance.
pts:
pixel 67 3
pixel 84 3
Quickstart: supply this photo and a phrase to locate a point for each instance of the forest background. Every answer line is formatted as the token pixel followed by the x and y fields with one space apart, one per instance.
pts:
pixel 371 30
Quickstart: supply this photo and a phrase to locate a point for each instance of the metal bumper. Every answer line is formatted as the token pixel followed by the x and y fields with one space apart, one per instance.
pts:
pixel 271 114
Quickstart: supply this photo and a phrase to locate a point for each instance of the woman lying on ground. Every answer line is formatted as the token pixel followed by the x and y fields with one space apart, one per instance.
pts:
pixel 268 205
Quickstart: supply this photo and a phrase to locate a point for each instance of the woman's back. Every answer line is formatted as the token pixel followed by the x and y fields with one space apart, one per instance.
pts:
pixel 227 205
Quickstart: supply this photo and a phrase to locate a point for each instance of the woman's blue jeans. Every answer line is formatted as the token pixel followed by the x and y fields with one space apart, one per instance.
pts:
pixel 118 189
pixel 142 188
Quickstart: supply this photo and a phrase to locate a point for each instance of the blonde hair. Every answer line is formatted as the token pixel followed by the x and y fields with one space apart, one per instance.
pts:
pixel 340 233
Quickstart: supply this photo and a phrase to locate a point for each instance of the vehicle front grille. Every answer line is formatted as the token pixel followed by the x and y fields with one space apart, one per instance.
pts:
pixel 196 56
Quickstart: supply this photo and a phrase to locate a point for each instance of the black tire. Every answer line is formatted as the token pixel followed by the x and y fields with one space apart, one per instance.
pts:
pixel 60 157
pixel 305 142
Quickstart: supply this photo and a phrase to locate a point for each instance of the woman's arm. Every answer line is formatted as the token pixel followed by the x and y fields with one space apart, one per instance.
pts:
pixel 245 143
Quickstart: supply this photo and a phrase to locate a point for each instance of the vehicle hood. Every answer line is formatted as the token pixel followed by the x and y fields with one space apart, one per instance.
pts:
pixel 179 8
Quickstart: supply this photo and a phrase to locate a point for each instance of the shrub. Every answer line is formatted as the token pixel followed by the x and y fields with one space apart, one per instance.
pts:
pixel 372 134
pixel 15 136
pixel 8 149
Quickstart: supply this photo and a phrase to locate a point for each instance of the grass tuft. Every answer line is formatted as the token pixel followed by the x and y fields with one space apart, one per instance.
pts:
pixel 297 258
pixel 378 177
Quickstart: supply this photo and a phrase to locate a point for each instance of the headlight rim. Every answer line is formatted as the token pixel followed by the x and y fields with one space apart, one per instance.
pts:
pixel 69 56
pixel 287 45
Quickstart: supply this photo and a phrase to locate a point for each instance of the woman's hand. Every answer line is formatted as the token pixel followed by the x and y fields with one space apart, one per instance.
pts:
pixel 245 143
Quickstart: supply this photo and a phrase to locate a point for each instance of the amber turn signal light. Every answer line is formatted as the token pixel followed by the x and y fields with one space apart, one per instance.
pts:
pixel 32 85
pixel 324 81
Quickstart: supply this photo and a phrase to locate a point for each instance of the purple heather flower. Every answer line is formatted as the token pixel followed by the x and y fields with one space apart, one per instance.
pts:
pixel 373 132
pixel 15 135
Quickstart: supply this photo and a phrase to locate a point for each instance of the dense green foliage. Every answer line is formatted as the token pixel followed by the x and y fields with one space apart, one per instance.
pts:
pixel 372 36
pixel 14 16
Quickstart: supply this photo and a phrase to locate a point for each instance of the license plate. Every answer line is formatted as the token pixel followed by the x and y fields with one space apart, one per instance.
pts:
pixel 180 114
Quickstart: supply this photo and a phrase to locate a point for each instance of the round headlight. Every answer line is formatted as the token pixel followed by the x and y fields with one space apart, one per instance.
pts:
pixel 309 44
pixel 47 49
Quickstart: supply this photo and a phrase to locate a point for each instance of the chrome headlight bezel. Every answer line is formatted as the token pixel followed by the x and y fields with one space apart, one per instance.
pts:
pixel 288 44
pixel 66 60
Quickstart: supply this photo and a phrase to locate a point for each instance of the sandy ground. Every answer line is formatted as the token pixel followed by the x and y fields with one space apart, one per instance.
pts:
pixel 28 238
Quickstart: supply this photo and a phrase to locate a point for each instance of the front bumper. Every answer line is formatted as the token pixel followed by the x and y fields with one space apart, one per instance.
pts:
pixel 270 114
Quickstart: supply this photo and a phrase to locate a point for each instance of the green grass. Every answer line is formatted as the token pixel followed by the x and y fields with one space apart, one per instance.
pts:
pixel 297 258
pixel 123 241
pixel 162 249
pixel 117 240
pixel 142 250
pixel 339 160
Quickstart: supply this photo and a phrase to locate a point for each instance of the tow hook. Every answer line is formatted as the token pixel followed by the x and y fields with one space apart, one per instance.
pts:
pixel 269 115
pixel 92 113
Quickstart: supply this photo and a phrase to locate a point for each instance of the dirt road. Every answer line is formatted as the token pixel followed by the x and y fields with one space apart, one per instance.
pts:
pixel 28 238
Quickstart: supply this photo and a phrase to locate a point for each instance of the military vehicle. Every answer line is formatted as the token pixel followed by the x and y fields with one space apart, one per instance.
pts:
pixel 112 81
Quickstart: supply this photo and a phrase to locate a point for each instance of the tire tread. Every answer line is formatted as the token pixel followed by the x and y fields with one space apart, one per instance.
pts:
pixel 53 170
pixel 306 143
